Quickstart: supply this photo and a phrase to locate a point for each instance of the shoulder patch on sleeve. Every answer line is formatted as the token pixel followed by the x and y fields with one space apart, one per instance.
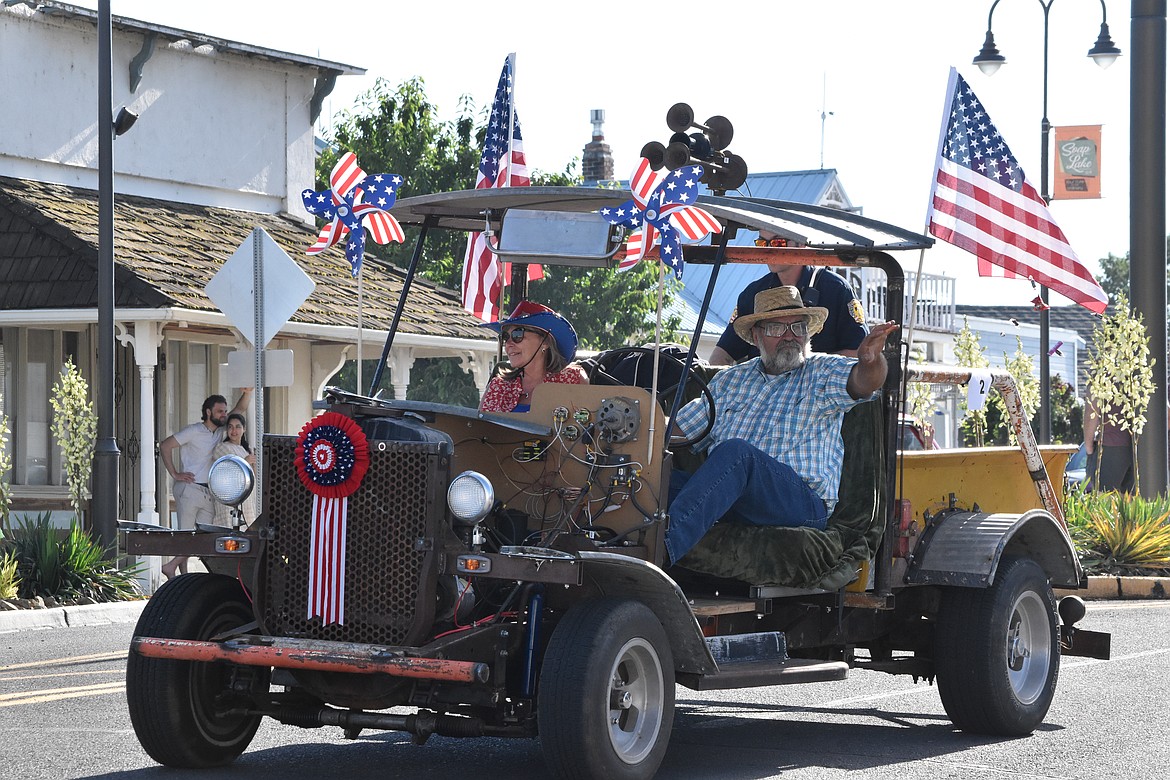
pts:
pixel 734 314
pixel 856 311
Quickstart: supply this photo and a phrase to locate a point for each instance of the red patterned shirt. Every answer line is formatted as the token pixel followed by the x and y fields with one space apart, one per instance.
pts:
pixel 503 395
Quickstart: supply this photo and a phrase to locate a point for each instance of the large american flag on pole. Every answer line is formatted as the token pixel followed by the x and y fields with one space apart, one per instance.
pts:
pixel 502 165
pixel 980 201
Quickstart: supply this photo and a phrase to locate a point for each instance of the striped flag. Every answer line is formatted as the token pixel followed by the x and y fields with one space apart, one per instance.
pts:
pixel 980 201
pixel 502 165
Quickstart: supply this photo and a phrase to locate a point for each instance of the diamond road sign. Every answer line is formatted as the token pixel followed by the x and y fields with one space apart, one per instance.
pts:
pixel 285 287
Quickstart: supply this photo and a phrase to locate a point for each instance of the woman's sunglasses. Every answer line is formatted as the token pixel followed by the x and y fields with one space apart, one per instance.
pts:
pixel 515 335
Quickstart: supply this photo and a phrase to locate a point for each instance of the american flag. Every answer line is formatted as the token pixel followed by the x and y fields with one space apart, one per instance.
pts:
pixel 982 202
pixel 502 165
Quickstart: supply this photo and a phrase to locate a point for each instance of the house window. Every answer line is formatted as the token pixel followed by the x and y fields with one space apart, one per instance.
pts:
pixel 31 360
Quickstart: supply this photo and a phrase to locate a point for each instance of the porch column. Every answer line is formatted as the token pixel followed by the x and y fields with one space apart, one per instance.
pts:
pixel 147 339
pixel 401 361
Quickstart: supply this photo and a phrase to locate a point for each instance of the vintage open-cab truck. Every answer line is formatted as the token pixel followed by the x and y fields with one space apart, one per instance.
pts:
pixel 503 572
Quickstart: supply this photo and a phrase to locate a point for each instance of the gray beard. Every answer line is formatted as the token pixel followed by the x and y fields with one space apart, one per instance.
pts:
pixel 788 356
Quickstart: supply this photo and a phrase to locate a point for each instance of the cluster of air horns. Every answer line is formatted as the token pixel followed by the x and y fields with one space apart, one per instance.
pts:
pixel 723 170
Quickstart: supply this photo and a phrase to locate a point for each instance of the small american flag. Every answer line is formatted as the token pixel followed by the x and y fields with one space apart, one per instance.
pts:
pixel 981 202
pixel 502 165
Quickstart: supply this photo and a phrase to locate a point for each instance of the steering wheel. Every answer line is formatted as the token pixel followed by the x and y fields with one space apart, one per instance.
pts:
pixel 600 371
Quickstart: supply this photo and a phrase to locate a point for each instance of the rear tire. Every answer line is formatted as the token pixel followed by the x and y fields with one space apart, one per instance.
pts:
pixel 175 706
pixel 605 705
pixel 997 652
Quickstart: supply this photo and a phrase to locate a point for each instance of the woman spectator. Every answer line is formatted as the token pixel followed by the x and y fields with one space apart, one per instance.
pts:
pixel 236 443
pixel 540 345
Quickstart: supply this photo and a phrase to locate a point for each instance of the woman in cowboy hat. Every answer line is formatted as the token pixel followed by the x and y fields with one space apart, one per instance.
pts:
pixel 540 345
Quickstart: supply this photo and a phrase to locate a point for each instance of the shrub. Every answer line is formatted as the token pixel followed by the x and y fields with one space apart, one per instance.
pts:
pixel 75 427
pixel 1120 533
pixel 67 568
pixel 9 582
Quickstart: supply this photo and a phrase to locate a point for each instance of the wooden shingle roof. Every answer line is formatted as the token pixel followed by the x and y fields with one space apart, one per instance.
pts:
pixel 166 252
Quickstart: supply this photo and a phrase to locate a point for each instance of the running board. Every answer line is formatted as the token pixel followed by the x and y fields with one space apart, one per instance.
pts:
pixel 749 674
pixel 749 660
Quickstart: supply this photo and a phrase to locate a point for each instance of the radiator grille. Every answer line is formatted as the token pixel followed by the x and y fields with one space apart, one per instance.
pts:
pixel 390 539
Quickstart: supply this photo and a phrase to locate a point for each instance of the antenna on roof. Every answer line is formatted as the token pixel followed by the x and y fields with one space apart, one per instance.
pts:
pixel 824 115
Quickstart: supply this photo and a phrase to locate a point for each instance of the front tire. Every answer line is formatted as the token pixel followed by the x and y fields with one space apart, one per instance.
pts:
pixel 605 705
pixel 176 707
pixel 997 652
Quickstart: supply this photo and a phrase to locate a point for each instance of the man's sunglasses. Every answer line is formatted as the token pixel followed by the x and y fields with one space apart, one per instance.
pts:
pixel 775 330
pixel 515 335
pixel 775 241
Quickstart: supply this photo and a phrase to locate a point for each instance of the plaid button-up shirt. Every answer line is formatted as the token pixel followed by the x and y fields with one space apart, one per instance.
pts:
pixel 795 417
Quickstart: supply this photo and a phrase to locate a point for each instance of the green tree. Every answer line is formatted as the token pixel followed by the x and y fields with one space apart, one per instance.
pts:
pixel 607 308
pixel 1068 414
pixel 74 426
pixel 1021 368
pixel 1114 276
pixel 398 130
pixel 1121 374
pixel 969 353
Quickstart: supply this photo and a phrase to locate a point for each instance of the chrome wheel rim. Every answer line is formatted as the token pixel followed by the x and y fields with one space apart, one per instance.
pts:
pixel 637 693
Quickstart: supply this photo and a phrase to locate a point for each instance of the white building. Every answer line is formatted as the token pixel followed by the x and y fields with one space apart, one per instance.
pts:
pixel 224 143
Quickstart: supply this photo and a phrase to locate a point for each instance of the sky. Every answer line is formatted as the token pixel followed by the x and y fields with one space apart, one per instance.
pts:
pixel 854 85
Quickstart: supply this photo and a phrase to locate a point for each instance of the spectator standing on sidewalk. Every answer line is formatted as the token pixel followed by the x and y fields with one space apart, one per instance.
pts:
pixel 193 501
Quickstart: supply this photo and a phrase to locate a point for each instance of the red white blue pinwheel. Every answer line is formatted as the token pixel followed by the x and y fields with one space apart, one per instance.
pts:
pixel 353 199
pixel 660 211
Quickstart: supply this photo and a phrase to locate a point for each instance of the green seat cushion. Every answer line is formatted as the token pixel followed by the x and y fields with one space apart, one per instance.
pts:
pixel 808 557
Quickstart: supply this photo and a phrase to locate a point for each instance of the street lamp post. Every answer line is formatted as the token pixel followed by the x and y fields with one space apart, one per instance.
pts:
pixel 1104 53
pixel 105 464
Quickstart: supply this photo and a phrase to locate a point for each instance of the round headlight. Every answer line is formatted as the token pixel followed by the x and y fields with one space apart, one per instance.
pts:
pixel 470 497
pixel 231 480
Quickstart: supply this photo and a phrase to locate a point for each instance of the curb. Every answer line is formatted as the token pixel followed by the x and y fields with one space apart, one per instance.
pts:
pixel 1121 588
pixel 63 617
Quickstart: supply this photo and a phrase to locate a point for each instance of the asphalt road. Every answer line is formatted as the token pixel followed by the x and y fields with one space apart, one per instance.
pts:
pixel 63 715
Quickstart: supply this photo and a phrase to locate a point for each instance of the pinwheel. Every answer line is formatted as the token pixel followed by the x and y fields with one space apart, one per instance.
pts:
pixel 660 210
pixel 353 199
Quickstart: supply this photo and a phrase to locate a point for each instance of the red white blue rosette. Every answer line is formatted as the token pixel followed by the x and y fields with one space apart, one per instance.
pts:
pixel 332 455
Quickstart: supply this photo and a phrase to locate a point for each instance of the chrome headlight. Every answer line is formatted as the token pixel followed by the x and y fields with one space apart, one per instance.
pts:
pixel 231 480
pixel 470 497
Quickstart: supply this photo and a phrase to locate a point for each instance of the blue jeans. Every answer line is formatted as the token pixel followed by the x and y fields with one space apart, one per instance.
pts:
pixel 742 483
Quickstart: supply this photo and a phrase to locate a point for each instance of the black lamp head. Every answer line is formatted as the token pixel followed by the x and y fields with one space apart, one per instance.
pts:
pixel 124 121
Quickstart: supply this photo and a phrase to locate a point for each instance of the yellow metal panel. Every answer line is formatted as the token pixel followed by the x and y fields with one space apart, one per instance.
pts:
pixel 995 478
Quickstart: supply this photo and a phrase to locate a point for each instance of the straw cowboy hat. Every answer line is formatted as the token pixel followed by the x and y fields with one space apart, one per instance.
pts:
pixel 780 302
pixel 530 314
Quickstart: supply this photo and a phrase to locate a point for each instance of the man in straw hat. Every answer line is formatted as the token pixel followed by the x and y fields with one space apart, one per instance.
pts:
pixel 775 449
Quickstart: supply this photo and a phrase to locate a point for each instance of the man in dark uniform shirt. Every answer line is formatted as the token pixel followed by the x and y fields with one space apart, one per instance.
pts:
pixel 844 329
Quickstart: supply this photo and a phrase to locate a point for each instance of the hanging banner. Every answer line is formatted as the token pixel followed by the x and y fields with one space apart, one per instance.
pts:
pixel 1078 162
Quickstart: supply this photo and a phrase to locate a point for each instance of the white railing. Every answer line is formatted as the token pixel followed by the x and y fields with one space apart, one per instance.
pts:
pixel 936 299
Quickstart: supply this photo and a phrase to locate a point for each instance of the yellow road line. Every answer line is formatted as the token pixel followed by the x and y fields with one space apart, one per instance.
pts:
pixel 76 659
pixel 56 694
pixel 4 679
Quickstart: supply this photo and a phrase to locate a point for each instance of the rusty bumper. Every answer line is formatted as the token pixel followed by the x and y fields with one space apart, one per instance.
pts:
pixel 315 655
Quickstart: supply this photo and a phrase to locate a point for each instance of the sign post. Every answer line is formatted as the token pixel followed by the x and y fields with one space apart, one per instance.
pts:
pixel 258 289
